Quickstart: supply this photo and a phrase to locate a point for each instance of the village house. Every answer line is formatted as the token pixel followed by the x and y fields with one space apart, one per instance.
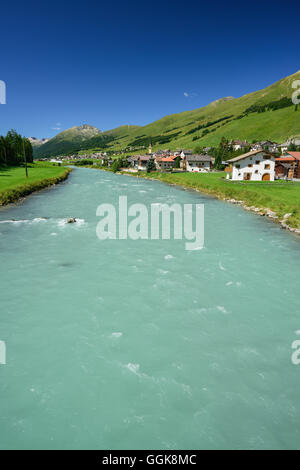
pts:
pixel 197 163
pixel 288 165
pixel 104 159
pixel 256 146
pixel 165 163
pixel 296 165
pixel 186 153
pixel 285 146
pixel 267 145
pixel 239 144
pixel 142 162
pixel 162 153
pixel 133 161
pixel 284 168
pixel 159 153
pixel 257 165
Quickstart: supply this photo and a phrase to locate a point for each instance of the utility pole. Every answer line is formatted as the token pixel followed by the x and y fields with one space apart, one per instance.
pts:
pixel 25 160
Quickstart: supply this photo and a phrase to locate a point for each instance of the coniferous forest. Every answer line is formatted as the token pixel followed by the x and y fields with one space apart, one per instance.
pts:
pixel 15 149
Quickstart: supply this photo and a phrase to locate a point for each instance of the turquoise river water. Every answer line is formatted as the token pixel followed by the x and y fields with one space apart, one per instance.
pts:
pixel 123 344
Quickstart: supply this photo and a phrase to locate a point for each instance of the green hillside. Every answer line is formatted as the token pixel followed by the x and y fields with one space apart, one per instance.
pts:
pixel 117 137
pixel 66 141
pixel 265 114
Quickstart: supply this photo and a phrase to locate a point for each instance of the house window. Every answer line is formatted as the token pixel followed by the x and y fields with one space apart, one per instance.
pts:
pixel 257 162
pixel 238 166
pixel 267 166
pixel 250 165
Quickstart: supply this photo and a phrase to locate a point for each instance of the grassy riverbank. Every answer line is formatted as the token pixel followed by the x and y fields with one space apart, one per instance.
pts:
pixel 14 184
pixel 281 197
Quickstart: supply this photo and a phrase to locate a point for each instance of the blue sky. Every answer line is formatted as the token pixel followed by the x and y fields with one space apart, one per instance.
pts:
pixel 114 63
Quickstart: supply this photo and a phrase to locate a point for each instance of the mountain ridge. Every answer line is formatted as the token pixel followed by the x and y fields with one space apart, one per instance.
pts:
pixel 260 115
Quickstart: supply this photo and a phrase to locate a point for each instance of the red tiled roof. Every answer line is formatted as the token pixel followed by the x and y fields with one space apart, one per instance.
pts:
pixel 295 155
pixel 165 159
pixel 285 159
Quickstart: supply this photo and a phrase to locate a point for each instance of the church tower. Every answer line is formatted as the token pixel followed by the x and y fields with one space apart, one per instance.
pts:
pixel 150 146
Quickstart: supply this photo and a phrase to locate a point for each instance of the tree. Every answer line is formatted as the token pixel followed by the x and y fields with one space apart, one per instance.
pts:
pixel 150 165
pixel 12 148
pixel 124 162
pixel 292 147
pixel 3 158
pixel 177 162
pixel 218 161
pixel 116 165
pixel 28 150
pixel 223 152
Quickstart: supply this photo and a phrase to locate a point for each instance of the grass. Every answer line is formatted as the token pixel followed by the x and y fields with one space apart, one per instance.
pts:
pixel 281 197
pixel 14 184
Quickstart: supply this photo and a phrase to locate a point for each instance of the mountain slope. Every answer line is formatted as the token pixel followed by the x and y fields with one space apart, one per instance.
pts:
pixel 265 114
pixel 232 118
pixel 83 138
pixel 68 140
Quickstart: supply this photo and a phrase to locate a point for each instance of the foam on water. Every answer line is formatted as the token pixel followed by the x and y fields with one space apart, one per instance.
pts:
pixel 134 368
pixel 117 335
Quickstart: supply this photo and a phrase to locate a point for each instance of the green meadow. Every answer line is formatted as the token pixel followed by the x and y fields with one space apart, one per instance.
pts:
pixel 14 184
pixel 281 197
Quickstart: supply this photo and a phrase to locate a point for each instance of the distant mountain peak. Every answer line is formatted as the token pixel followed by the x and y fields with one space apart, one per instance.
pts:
pixel 67 140
pixel 35 142
pixel 86 127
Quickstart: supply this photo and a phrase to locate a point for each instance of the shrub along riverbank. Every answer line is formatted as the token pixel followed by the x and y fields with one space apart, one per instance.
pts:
pixel 14 185
pixel 279 200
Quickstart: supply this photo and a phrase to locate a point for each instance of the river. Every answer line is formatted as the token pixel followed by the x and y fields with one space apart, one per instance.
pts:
pixel 123 344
